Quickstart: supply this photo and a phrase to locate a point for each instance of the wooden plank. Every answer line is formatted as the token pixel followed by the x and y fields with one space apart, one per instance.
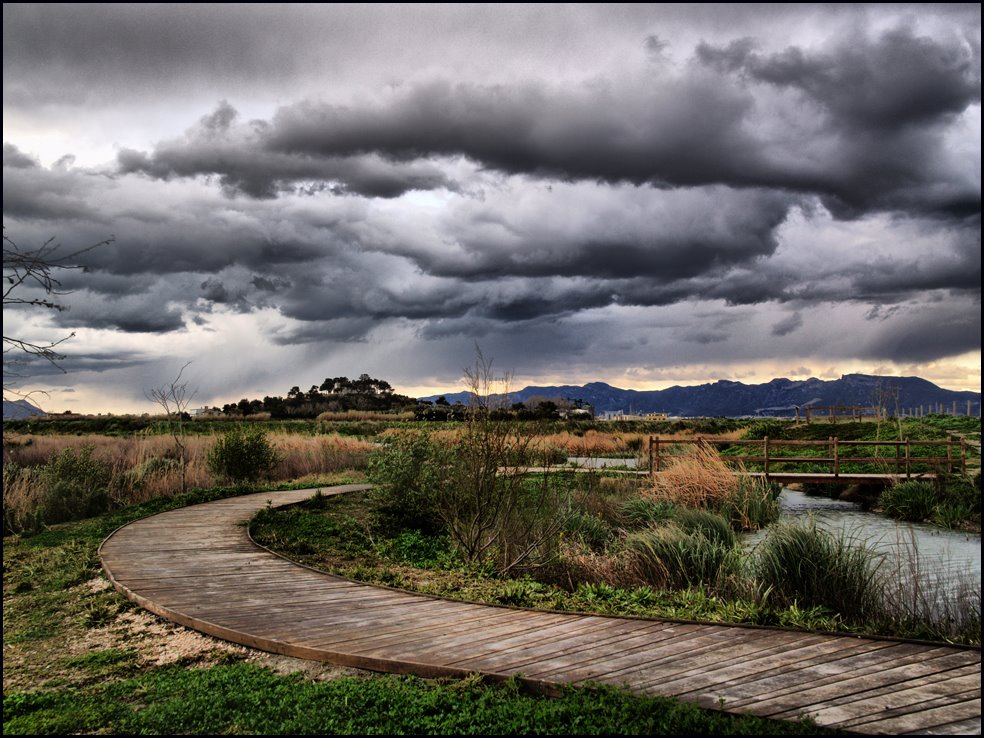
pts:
pixel 885 704
pixel 784 673
pixel 920 722
pixel 787 672
pixel 896 681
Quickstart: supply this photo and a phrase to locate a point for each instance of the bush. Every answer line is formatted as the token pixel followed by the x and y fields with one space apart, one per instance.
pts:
pixel 243 455
pixel 407 472
pixel 76 486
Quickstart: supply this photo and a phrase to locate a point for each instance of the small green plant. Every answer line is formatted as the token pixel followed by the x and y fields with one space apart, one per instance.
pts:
pixel 243 455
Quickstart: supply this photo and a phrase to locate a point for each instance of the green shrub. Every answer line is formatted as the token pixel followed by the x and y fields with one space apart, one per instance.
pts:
pixel 407 472
pixel 75 486
pixel 243 455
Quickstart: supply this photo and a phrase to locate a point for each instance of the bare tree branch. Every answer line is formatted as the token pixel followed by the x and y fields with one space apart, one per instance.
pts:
pixel 25 272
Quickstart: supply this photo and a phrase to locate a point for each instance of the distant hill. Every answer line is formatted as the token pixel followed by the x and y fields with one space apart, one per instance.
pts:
pixel 780 397
pixel 18 409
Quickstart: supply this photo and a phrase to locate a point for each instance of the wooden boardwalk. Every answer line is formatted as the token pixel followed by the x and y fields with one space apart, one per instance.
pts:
pixel 198 567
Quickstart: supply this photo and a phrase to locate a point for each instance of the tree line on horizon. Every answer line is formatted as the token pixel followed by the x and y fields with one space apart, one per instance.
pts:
pixel 341 394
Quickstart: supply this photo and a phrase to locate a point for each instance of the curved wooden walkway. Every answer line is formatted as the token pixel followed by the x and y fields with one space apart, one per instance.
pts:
pixel 197 566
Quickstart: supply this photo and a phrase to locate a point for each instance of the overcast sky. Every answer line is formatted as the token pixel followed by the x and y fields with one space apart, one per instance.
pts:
pixel 646 195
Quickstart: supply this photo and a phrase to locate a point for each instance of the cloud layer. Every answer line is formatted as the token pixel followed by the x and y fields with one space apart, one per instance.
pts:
pixel 700 194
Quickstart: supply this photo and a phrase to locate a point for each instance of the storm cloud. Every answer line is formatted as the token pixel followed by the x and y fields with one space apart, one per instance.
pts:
pixel 633 188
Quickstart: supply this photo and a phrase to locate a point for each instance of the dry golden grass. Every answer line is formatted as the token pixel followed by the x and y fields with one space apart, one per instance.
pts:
pixel 365 415
pixel 146 467
pixel 698 477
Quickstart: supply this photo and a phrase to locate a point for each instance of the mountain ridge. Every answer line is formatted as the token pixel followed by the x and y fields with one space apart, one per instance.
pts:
pixel 780 396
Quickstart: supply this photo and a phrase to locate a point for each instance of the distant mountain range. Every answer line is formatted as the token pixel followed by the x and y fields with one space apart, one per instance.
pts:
pixel 780 397
pixel 19 409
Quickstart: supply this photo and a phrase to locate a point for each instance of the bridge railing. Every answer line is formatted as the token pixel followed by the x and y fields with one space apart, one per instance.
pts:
pixel 906 457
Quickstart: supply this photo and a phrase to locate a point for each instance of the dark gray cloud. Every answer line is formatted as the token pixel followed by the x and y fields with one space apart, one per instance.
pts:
pixel 663 185
pixel 894 80
pixel 787 325
pixel 864 129
pixel 240 156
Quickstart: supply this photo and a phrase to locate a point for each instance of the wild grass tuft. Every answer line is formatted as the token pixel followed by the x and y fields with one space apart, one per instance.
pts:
pixel 808 566
pixel 701 478
pixel 671 558
pixel 910 500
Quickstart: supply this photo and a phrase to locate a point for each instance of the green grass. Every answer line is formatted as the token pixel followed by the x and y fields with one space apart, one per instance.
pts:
pixel 245 699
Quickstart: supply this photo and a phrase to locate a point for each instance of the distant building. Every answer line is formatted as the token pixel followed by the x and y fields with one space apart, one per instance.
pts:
pixel 621 415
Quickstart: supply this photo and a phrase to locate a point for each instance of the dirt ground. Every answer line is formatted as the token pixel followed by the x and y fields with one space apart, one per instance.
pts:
pixel 155 642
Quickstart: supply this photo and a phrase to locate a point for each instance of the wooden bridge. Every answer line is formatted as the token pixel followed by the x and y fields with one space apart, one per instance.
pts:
pixel 844 460
pixel 198 567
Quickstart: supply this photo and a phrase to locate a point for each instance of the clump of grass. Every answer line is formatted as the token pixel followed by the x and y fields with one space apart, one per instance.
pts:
pixel 701 479
pixel 642 512
pixel 808 566
pixel 591 530
pixel 671 558
pixel 910 500
pixel 708 524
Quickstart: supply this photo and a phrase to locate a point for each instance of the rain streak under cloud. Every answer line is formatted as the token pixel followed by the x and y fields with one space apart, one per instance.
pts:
pixel 645 195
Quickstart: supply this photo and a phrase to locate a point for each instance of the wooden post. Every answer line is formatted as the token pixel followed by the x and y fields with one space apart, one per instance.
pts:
pixel 836 458
pixel 651 454
pixel 908 455
pixel 766 446
pixel 898 457
pixel 963 455
pixel 657 453
pixel 949 453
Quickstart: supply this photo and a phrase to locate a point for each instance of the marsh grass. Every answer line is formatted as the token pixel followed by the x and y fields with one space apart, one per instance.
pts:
pixel 811 567
pixel 910 500
pixel 701 479
pixel 670 557
pixel 49 479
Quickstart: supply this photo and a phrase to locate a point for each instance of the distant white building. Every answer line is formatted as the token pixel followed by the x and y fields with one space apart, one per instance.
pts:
pixel 622 415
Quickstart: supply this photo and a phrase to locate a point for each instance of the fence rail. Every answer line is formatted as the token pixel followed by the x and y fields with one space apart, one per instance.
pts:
pixel 904 462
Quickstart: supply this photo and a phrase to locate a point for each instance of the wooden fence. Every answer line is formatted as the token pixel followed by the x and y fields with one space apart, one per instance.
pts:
pixel 837 454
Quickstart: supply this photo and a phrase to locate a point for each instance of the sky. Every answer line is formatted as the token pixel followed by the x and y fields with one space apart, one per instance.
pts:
pixel 645 195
